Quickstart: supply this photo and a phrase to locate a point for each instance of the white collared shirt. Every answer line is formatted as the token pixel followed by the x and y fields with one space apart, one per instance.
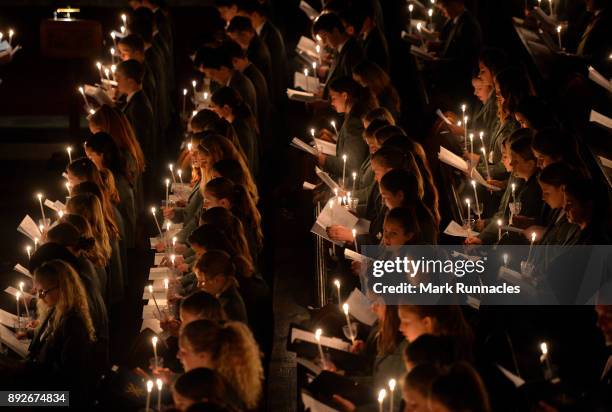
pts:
pixel 129 96
pixel 340 47
pixel 259 28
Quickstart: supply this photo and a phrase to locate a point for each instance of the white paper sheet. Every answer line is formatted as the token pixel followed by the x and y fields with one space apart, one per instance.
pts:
pixel 98 94
pixel 451 159
pixel 159 273
pixel 22 270
pixel 308 186
pixel 313 405
pixel 301 96
pixel 357 257
pixel 455 229
pixel 601 119
pixel 18 346
pixel 422 54
pixel 160 293
pixel 305 147
pixel 306 336
pixel 29 228
pixel 326 179
pixel 152 324
pixel 441 116
pixel 516 380
pixel 309 84
pixel 13 291
pixel 334 214
pixel 600 79
pixel 308 364
pixel 307 46
pixel 325 147
pixel 360 306
pixel 310 12
pixel 605 162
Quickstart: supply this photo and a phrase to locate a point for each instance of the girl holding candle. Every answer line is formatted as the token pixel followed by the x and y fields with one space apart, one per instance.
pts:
pixel 227 103
pixel 228 349
pixel 349 98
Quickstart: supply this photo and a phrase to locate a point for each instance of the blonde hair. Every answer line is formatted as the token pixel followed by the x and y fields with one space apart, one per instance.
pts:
pixel 96 254
pixel 219 148
pixel 234 355
pixel 88 206
pixel 72 295
pixel 108 180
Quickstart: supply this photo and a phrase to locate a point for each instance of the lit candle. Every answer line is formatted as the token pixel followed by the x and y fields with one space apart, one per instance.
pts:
pixel 11 34
pixel 153 210
pixel 107 73
pixel 36 240
pixel 337 283
pixel 472 143
pixel 173 246
pixel 189 146
pixel 465 130
pixel 312 133
pixel 112 53
pixel 550 6
pixel 184 102
pixel 205 96
pixel 430 14
pixel 112 34
pixel 318 334
pixel 318 50
pixel 505 258
pixel 60 214
pixel 122 29
pixel 29 251
pixel 82 91
pixel 194 84
pixel 67 184
pixel 167 191
pixel 486 162
pixel 354 232
pixel 124 19
pixel 154 342
pixel 513 192
pixel 156 305
pixel 476 205
pixel 149 389
pixel 171 167
pixel 113 70
pixel 419 28
pixel 180 175
pixel 99 66
pixel 381 399
pixel 333 123
pixel 546 360
pixel 540 4
pixel 499 226
pixel 354 180
pixel 410 9
pixel 392 383
pixel 343 169
pixel 345 309
pixel 69 150
pixel 533 238
pixel 559 36
pixel 172 260
pixel 17 297
pixel 469 215
pixel 168 241
pixel 21 284
pixel 160 384
pixel 42 209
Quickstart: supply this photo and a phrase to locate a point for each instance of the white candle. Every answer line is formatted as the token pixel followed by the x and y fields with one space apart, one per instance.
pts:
pixel 82 91
pixel 29 251
pixel 463 107
pixel 124 19
pixel 112 34
pixel 318 334
pixel 17 297
pixel 42 209
pixel 499 231
pixel 99 66
pixel 122 29
pixel 355 240
pixel 354 180
pixel 194 84
pixel 107 73
pixel 477 205
pixel 153 210
pixel 419 28
pixel 505 257
pixel 430 15
pixel 337 283
pixel 149 389
pixel 67 184
pixel 11 34
pixel 189 146
pixel 546 360
pixel 392 383
pixel 559 37
pixel 160 384
pixel 113 70
pixel 486 162
pixel 180 175
pixel 112 53
pixel 312 133
pixel 318 50
pixel 410 9
pixel 550 5
pixel 69 150
pixel 469 213
pixel 381 399
pixel 173 245
pixel 154 300
pixel 167 191
pixel 172 260
pixel 154 342
pixel 343 169
pixel 472 143
pixel 21 284
pixel 333 123
pixel 184 102
pixel 465 130
pixel 513 194
pixel 171 167
pixel 36 240
pixel 168 241
pixel 533 238
pixel 345 309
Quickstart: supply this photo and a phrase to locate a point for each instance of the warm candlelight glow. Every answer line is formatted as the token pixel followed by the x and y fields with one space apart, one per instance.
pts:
pixel 392 383
pixel 345 308
pixel 318 334
pixel 544 348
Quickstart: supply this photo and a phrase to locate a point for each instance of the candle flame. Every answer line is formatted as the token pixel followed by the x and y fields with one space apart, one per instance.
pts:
pixel 318 334
pixel 354 232
pixel 474 183
pixel 430 12
pixel 39 196
pixel 154 340
pixel 159 383
pixel 410 8
pixel 99 65
pixel 166 283
pixel 112 35
pixel 153 210
pixel 345 308
pixel 392 383
pixel 382 394
pixel 544 348
pixel 344 157
pixel 151 290
pixel 533 237
pixel 194 83
pixel 167 182
pixel 149 386
pixel 419 26
pixel 337 283
pixel 184 92
pixel 499 222
pixel 559 29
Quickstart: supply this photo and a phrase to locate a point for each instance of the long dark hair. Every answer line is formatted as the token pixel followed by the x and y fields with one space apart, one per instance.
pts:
pixel 103 144
pixel 360 99
pixel 226 96
pixel 514 86
pixel 378 81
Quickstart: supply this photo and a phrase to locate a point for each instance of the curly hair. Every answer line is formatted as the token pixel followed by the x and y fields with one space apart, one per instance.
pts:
pixel 88 206
pixel 234 355
pixel 72 295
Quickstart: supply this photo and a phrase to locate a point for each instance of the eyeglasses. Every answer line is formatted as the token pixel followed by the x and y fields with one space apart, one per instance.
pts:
pixel 45 292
